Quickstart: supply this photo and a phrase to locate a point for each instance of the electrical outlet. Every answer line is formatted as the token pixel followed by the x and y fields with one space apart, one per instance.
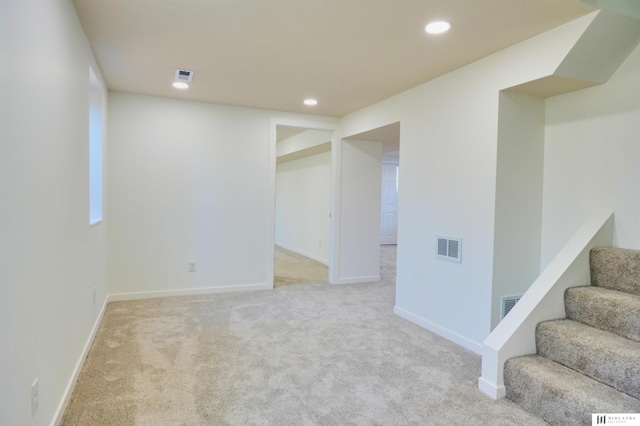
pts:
pixel 94 295
pixel 35 397
pixel 192 266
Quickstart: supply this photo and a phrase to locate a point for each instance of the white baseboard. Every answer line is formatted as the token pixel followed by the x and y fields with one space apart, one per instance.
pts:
pixel 303 253
pixel 439 330
pixel 495 392
pixel 358 280
pixel 187 292
pixel 76 372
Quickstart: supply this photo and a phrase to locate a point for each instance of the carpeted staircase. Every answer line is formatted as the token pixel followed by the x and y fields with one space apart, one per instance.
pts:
pixel 588 362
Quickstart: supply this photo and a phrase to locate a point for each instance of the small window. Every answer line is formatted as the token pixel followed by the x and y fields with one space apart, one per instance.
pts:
pixel 95 149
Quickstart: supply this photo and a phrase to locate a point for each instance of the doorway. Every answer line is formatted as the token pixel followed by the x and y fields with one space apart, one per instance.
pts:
pixel 301 202
pixel 370 170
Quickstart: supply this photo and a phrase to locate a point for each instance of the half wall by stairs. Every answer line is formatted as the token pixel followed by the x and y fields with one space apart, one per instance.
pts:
pixel 588 362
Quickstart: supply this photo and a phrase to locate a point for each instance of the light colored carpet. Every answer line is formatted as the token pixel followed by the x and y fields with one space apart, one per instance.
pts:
pixel 307 354
pixel 293 268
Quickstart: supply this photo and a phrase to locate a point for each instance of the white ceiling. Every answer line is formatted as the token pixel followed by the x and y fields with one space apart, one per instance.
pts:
pixel 274 53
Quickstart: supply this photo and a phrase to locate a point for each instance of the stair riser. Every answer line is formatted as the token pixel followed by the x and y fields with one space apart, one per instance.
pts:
pixel 616 367
pixel 560 396
pixel 616 269
pixel 604 313
pixel 554 409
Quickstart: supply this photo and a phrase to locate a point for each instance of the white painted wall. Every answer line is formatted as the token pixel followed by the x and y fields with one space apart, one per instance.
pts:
pixel 188 181
pixel 518 223
pixel 303 193
pixel 302 142
pixel 389 203
pixel 360 179
pixel 592 159
pixel 449 130
pixel 50 258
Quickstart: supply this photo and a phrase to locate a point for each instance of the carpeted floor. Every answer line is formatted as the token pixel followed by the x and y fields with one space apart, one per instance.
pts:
pixel 293 268
pixel 306 354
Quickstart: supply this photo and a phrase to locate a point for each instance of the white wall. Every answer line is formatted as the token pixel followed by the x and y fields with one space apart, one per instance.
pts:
pixel 592 159
pixel 188 181
pixel 449 130
pixel 389 202
pixel 303 193
pixel 304 142
pixel 50 259
pixel 518 223
pixel 360 177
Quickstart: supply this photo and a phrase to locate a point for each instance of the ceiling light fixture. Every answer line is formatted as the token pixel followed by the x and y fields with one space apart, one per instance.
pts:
pixel 310 102
pixel 437 27
pixel 180 85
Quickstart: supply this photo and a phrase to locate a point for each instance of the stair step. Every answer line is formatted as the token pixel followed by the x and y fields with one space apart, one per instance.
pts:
pixel 605 309
pixel 603 356
pixel 616 269
pixel 559 395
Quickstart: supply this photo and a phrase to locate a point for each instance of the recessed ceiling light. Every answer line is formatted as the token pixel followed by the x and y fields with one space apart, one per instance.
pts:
pixel 180 85
pixel 437 27
pixel 310 102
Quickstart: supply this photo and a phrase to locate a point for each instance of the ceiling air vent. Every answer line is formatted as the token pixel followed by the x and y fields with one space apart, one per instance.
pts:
pixel 507 303
pixel 184 75
pixel 449 248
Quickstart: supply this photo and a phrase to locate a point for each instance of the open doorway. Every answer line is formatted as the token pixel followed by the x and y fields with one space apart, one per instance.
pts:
pixel 302 195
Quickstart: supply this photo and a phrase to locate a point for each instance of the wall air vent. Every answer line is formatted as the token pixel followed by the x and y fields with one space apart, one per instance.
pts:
pixel 507 303
pixel 449 248
pixel 184 75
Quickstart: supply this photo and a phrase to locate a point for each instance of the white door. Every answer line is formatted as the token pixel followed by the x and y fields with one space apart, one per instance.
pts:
pixel 389 210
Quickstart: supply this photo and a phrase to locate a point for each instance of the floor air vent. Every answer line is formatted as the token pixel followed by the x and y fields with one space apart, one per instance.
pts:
pixel 449 248
pixel 507 303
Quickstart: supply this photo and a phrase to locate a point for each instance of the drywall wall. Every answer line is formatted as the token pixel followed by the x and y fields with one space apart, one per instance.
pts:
pixel 188 181
pixel 360 194
pixel 518 222
pixel 50 258
pixel 302 144
pixel 591 159
pixel 303 192
pixel 389 203
pixel 448 184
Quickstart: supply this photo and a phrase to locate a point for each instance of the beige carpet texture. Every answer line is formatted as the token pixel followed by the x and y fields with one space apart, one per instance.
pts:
pixel 305 353
pixel 588 362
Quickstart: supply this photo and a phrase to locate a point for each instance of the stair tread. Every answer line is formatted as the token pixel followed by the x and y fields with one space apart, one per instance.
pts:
pixel 603 356
pixel 560 395
pixel 616 268
pixel 605 309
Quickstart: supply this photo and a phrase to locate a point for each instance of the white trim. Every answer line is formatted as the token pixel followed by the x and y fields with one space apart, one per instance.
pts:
pixel 495 392
pixel 76 371
pixel 439 330
pixel 334 219
pixel 271 201
pixel 303 253
pixel 187 292
pixel 358 280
